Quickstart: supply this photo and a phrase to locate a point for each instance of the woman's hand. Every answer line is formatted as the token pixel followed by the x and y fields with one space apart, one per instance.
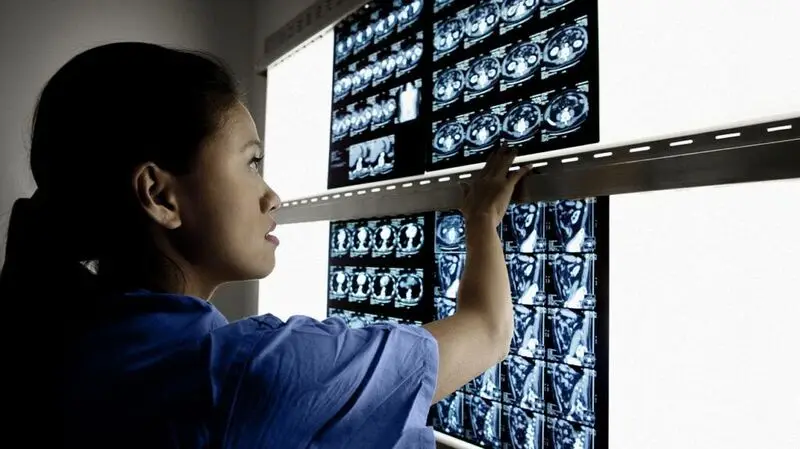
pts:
pixel 488 195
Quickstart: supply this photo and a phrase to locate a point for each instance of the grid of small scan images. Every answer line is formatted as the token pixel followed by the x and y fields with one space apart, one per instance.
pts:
pixel 377 270
pixel 543 395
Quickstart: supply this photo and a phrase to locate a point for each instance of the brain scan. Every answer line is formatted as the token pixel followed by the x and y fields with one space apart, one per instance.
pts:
pixel 450 232
pixel 483 74
pixel 448 139
pixel 517 11
pixel 522 121
pixel 449 84
pixel 385 25
pixel 409 290
pixel 566 47
pixel 408 13
pixel 364 37
pixel 482 20
pixel 342 86
pixel 409 58
pixel 567 112
pixel 383 289
pixel 448 35
pixel 483 130
pixel 521 62
pixel 526 430
pixel 344 47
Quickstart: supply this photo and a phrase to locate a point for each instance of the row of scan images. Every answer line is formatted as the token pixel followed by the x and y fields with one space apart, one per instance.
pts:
pixel 492 424
pixel 400 104
pixel 473 24
pixel 400 59
pixel 512 64
pixel 372 158
pixel 548 115
pixel 566 226
pixel 555 335
pixel 379 26
pixel 401 288
pixel 555 280
pixel 399 238
pixel 358 320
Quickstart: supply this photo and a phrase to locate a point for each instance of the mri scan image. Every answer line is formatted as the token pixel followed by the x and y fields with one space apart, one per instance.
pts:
pixel 448 36
pixel 574 223
pixel 409 289
pixel 567 112
pixel 448 140
pixel 384 287
pixel 383 112
pixel 438 5
pixel 385 238
pixel 449 414
pixel 448 86
pixel 526 383
pixel 358 320
pixel 555 3
pixel 372 158
pixel 409 13
pixel 450 232
pixel 410 238
pixel 383 69
pixel 571 337
pixel 572 277
pixel 444 307
pixel 408 58
pixel 341 239
pixel 409 99
pixel 482 20
pixel 525 429
pixel 487 385
pixel 485 421
pixel 562 434
pixel 344 47
pixel 336 313
pixel 450 267
pixel 529 324
pixel 362 238
pixel 483 131
pixel 360 285
pixel 360 79
pixel 518 11
pixel 570 393
pixel 527 275
pixel 566 47
pixel 521 62
pixel 528 227
pixel 522 122
pixel 341 125
pixel 342 86
pixel 385 25
pixel 363 37
pixel 339 284
pixel 483 74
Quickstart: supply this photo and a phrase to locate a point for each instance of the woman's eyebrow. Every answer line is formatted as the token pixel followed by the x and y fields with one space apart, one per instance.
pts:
pixel 253 143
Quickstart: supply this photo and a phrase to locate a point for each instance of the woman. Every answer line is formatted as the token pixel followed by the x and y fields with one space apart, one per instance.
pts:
pixel 149 196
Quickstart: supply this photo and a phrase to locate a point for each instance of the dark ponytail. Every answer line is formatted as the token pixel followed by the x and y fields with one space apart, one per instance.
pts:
pixel 105 112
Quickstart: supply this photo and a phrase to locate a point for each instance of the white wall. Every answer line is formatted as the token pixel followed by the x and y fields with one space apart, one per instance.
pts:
pixel 38 36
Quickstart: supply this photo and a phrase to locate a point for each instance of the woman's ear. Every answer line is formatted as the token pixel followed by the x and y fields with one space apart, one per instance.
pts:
pixel 155 193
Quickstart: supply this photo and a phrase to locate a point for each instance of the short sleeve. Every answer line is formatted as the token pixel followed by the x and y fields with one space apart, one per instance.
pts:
pixel 308 383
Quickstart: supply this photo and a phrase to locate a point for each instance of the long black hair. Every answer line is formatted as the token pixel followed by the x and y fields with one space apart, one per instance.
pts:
pixel 106 111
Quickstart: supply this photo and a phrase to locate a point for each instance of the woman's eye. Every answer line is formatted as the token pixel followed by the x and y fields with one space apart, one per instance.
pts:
pixel 256 162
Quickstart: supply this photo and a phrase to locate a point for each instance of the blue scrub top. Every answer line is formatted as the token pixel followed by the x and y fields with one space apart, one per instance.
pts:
pixel 168 371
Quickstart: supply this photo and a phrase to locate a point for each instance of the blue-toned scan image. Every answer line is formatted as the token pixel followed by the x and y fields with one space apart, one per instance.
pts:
pixel 384 239
pixel 571 393
pixel 572 279
pixel 562 434
pixel 360 284
pixel 487 385
pixel 485 421
pixel 450 232
pixel 574 222
pixel 449 268
pixel 566 112
pixel 358 320
pixel 444 307
pixel 373 158
pixel 448 34
pixel 527 275
pixel 571 337
pixel 529 324
pixel 410 236
pixel 362 240
pixel 526 383
pixel 409 13
pixel 384 287
pixel 483 74
pixel 525 428
pixel 528 228
pixel 339 284
pixel 409 288
pixel 566 47
pixel 517 12
pixel 449 138
pixel 482 20
pixel 448 416
pixel 341 239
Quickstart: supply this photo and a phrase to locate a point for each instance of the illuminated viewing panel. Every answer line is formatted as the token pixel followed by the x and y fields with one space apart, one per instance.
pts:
pixel 425 85
pixel 551 388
